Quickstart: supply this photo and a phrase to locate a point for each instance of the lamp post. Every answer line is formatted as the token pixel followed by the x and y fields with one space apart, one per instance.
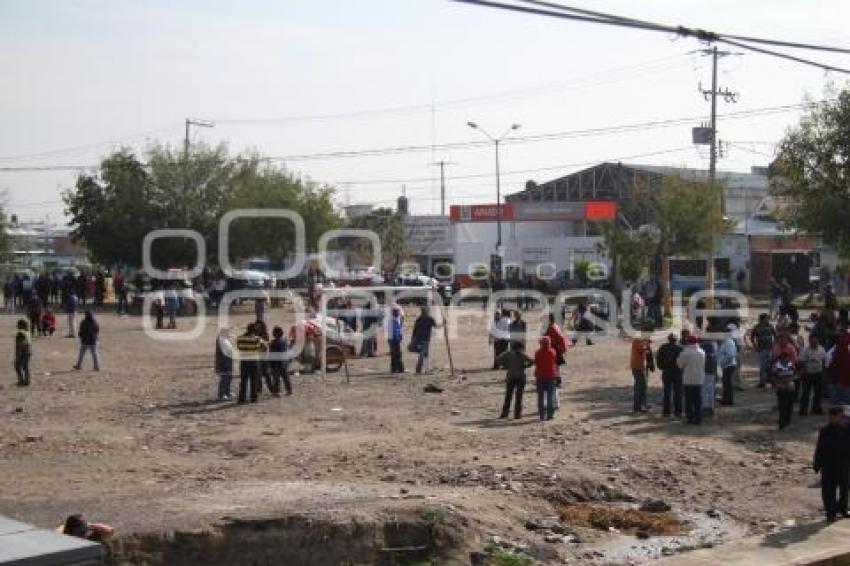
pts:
pixel 496 142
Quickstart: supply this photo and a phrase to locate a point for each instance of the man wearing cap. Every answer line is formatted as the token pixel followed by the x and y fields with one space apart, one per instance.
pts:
pixel 692 363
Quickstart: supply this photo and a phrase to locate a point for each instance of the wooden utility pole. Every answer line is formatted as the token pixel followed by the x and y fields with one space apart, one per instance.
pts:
pixel 711 95
pixel 442 165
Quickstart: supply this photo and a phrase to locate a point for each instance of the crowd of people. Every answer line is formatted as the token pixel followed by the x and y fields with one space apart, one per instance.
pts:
pixel 802 370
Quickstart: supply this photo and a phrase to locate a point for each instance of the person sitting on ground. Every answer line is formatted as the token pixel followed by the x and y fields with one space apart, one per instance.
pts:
pixel 515 361
pixel 545 375
pixel 48 323
pixel 831 462
pixel 77 526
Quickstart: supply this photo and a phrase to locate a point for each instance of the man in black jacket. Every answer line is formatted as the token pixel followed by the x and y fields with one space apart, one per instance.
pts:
pixel 671 375
pixel 515 361
pixel 831 460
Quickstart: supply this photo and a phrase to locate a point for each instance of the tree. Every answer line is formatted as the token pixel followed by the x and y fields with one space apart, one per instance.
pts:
pixel 687 217
pixel 112 213
pixel 627 250
pixel 6 239
pixel 389 226
pixel 811 174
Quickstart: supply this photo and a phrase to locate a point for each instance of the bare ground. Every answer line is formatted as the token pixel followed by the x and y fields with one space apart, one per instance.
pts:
pixel 144 446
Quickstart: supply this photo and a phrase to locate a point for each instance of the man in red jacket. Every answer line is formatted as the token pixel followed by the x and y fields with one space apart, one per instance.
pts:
pixel 840 367
pixel 545 375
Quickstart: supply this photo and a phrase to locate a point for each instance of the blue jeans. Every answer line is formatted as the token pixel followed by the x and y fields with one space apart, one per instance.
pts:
pixel 93 349
pixel 764 365
pixel 224 380
pixel 546 389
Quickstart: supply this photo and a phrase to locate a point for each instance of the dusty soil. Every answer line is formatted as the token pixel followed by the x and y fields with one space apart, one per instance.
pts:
pixel 144 446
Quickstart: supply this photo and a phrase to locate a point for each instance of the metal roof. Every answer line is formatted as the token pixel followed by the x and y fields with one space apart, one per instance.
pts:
pixel 734 179
pixel 24 545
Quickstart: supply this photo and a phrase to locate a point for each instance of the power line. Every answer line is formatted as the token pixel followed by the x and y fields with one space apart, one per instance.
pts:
pixel 86 146
pixel 575 14
pixel 794 58
pixel 513 172
pixel 681 30
pixel 567 134
pixel 619 73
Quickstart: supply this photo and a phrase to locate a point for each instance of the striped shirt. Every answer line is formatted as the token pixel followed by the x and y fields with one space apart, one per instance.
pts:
pixel 247 343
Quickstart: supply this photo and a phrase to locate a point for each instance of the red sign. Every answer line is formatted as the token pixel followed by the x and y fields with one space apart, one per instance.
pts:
pixel 536 211
pixel 600 210
pixel 481 212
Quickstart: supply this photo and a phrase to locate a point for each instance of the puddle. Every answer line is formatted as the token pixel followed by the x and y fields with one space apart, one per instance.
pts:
pixel 697 530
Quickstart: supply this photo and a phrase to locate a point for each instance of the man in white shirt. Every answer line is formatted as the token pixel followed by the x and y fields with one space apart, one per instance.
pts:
pixel 692 363
pixel 501 334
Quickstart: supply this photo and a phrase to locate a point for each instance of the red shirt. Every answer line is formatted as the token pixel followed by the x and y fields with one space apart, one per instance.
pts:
pixel 545 368
pixel 840 368
pixel 556 336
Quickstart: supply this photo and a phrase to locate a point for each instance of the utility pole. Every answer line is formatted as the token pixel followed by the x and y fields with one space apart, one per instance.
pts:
pixel 712 95
pixel 442 165
pixel 193 122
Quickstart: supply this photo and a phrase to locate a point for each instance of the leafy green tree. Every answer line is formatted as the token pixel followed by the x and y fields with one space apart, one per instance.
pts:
pixel 811 173
pixel 391 231
pixel 627 250
pixel 687 217
pixel 112 213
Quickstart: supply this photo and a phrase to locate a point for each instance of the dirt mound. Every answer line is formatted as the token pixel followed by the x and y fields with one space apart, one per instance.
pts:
pixel 398 537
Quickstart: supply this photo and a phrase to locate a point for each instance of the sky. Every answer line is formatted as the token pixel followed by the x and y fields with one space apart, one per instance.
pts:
pixel 290 79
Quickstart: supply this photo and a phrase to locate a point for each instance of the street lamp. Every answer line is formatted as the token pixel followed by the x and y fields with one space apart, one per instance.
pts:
pixel 496 142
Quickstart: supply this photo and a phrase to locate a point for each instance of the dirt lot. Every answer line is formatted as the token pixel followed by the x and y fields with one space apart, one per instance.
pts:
pixel 377 470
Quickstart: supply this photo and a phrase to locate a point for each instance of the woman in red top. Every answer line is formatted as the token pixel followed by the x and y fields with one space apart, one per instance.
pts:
pixel 545 375
pixel 559 343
